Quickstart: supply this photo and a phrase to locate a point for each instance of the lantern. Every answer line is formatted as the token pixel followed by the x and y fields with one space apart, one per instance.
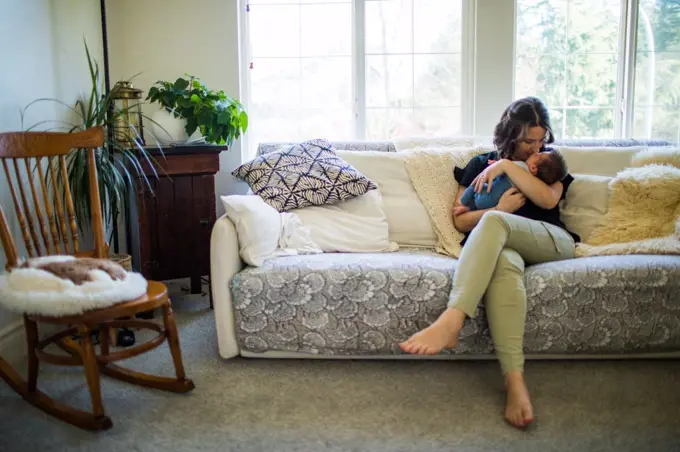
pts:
pixel 127 101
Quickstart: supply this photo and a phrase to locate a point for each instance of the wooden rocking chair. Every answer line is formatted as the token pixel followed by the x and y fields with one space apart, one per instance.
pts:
pixel 56 227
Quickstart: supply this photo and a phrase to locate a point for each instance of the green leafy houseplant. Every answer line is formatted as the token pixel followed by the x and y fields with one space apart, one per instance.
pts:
pixel 118 165
pixel 219 118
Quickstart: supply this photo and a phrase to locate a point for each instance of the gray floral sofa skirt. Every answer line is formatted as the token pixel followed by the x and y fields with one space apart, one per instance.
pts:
pixel 365 304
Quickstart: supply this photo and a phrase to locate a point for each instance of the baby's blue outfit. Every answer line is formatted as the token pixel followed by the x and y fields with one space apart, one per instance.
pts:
pixel 484 200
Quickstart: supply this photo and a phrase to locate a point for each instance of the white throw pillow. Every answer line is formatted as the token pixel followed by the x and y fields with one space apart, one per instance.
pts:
pixel 602 160
pixel 258 226
pixel 408 221
pixel 586 203
pixel 358 225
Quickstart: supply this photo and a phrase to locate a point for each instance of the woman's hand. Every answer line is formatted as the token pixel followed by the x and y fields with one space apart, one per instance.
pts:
pixel 511 201
pixel 488 175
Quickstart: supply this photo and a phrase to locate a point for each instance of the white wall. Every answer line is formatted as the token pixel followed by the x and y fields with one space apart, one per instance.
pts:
pixel 494 63
pixel 41 47
pixel 164 39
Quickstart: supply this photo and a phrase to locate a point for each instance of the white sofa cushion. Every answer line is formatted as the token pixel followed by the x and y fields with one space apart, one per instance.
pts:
pixel 603 161
pixel 408 221
pixel 258 226
pixel 586 203
pixel 358 225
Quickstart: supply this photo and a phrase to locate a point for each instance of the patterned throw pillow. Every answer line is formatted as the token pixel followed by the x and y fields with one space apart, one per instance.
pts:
pixel 306 174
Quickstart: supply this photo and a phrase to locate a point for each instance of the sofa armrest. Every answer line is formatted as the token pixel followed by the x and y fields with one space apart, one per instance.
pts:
pixel 225 262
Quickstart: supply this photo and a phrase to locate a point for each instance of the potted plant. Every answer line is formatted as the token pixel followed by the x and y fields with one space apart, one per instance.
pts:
pixel 219 118
pixel 118 164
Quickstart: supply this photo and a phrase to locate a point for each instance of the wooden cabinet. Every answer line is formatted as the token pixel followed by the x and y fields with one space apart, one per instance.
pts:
pixel 171 221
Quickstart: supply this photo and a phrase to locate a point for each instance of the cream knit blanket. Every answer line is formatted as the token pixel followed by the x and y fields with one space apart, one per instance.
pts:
pixel 431 173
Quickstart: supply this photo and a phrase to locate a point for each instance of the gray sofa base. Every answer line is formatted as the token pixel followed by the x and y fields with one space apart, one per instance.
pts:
pixel 366 304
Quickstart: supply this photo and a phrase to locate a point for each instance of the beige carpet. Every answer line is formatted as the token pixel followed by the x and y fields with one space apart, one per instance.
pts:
pixel 297 405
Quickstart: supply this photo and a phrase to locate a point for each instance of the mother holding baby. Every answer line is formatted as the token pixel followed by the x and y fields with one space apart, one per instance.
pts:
pixel 524 227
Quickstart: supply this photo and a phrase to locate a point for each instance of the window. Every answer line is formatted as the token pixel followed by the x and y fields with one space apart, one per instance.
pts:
pixel 339 69
pixel 574 55
pixel 379 69
pixel 657 71
pixel 412 67
pixel 567 55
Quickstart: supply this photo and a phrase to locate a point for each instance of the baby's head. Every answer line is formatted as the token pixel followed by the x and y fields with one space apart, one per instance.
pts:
pixel 548 166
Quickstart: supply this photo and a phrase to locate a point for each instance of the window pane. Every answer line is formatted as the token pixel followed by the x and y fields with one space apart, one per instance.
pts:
pixel 303 62
pixel 661 123
pixel 593 26
pixel 591 79
pixel 319 22
pixel 567 52
pixel 276 83
pixel 437 26
pixel 557 122
pixel 280 21
pixel 437 80
pixel 437 121
pixel 658 25
pixel 389 122
pixel 303 89
pixel 657 78
pixel 329 124
pixel 413 67
pixel 270 126
pixel 542 26
pixel 389 25
pixel 657 71
pixel 589 123
pixel 389 81
pixel 327 83
pixel 543 76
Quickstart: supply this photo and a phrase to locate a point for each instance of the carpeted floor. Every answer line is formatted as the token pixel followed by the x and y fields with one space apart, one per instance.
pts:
pixel 324 405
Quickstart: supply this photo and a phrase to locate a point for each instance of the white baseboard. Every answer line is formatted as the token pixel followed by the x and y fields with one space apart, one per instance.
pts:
pixel 13 343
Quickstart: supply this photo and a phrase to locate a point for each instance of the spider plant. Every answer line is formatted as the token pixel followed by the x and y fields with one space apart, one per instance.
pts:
pixel 118 165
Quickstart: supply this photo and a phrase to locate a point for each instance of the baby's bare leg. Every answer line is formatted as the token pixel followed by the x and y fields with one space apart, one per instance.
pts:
pixel 458 210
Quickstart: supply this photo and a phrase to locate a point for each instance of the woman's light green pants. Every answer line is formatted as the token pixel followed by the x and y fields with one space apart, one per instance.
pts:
pixel 491 265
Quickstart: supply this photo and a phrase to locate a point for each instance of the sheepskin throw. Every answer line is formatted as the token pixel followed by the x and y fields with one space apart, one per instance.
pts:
pixel 65 285
pixel 643 215
pixel 431 173
pixel 659 156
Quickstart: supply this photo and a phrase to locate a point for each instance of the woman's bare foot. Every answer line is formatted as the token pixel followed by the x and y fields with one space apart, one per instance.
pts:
pixel 460 210
pixel 443 333
pixel 518 409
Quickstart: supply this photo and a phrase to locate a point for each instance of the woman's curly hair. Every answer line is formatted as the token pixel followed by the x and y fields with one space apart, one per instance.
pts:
pixel 516 121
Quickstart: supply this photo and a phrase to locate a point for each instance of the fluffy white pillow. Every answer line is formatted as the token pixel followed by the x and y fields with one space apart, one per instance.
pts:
pixel 658 156
pixel 586 203
pixel 258 226
pixel 408 221
pixel 358 225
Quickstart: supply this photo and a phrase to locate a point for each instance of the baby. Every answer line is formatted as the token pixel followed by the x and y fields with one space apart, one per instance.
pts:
pixel 548 166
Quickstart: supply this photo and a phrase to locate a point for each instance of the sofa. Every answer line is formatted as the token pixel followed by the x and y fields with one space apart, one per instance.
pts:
pixel 362 305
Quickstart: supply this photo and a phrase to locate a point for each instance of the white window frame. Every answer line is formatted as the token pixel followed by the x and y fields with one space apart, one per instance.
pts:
pixel 488 51
pixel 359 65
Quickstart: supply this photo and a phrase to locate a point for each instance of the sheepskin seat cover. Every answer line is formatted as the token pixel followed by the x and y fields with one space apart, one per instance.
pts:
pixel 39 292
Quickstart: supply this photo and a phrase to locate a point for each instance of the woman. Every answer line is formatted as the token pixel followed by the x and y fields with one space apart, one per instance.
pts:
pixel 524 227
